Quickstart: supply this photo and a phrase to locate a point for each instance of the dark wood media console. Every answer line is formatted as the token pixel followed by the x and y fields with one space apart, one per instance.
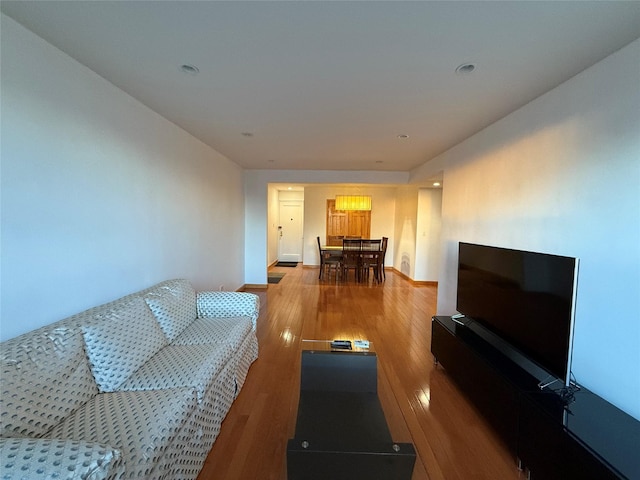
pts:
pixel 585 438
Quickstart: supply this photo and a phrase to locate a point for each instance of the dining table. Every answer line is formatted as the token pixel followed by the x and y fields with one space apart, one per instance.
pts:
pixel 368 255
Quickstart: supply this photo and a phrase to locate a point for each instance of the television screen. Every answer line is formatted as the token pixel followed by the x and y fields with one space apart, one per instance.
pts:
pixel 526 298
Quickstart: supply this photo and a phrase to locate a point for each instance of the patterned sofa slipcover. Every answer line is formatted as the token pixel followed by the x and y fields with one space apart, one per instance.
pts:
pixel 135 388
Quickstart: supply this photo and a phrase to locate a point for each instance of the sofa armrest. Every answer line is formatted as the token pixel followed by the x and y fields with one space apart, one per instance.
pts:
pixel 45 458
pixel 228 304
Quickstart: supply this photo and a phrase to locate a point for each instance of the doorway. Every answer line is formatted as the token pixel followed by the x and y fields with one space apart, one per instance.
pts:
pixel 290 231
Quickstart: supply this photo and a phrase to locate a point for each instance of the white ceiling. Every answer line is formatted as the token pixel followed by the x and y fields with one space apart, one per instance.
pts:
pixel 331 85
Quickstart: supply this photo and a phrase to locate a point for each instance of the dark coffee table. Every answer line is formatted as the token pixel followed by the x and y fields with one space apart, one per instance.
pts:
pixel 341 431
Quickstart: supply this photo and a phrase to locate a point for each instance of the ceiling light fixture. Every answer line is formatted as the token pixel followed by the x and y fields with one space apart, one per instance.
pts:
pixel 247 134
pixel 465 68
pixel 189 69
pixel 403 136
pixel 353 202
pixel 436 184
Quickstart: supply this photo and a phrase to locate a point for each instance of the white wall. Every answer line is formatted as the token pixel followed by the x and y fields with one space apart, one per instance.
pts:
pixel 273 214
pixel 406 218
pixel 562 175
pixel 256 247
pixel 101 196
pixel 315 216
pixel 428 226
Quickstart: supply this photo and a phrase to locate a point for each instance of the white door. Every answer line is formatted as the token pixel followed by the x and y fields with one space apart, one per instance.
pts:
pixel 290 227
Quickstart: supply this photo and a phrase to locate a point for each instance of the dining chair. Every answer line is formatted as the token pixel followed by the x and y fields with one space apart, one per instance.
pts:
pixel 371 244
pixel 352 244
pixel 370 258
pixel 351 257
pixel 383 254
pixel 335 240
pixel 329 260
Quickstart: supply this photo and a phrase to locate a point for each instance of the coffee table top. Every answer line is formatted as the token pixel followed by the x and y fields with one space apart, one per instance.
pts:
pixel 325 345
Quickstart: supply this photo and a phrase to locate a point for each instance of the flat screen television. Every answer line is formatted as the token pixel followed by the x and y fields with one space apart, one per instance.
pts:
pixel 526 298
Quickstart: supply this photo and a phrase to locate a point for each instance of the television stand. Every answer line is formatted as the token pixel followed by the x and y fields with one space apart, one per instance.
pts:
pixel 586 438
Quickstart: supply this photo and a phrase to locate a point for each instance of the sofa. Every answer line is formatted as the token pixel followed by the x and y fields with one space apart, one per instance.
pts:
pixel 136 388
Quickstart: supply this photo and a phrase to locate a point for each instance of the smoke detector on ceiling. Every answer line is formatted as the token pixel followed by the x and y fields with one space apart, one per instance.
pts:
pixel 189 69
pixel 465 68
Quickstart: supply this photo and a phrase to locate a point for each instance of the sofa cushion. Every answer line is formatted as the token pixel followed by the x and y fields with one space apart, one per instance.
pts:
pixel 174 304
pixel 228 304
pixel 181 366
pixel 45 377
pixel 232 331
pixel 142 425
pixel 120 340
pixel 45 459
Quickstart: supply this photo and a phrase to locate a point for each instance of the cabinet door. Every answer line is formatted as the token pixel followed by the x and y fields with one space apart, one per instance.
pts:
pixel 341 223
pixel 337 222
pixel 494 396
pixel 550 453
pixel 359 224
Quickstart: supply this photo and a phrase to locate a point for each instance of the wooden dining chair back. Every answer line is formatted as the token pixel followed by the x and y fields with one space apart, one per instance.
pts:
pixel 370 258
pixel 335 240
pixel 371 244
pixel 352 244
pixel 329 260
pixel 383 248
pixel 351 257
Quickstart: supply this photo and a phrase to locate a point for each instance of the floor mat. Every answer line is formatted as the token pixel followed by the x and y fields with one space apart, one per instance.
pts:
pixel 287 264
pixel 274 277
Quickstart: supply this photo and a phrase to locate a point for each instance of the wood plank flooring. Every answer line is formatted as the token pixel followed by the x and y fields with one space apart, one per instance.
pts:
pixel 420 402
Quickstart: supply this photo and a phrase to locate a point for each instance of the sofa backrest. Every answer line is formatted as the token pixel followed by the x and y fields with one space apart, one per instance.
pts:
pixel 45 377
pixel 45 374
pixel 173 303
pixel 121 339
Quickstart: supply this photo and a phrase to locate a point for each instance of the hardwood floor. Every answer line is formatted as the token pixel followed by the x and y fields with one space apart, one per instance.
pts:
pixel 421 404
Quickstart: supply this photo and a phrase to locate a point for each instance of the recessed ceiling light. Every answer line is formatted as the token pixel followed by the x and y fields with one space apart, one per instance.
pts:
pixel 247 134
pixel 379 161
pixel 465 68
pixel 436 184
pixel 190 69
pixel 403 136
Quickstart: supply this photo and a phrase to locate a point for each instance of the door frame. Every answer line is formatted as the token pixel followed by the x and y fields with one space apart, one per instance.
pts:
pixel 296 256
